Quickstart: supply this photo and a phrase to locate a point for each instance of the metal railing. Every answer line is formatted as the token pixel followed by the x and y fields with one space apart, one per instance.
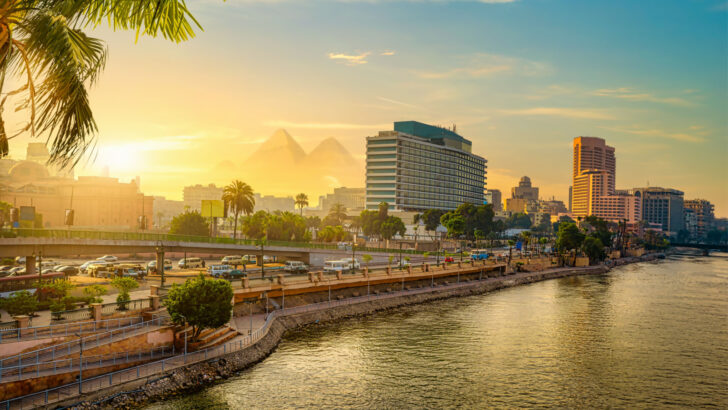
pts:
pixel 66 329
pixel 149 369
pixel 65 365
pixel 155 237
pixel 129 306
pixel 66 349
pixel 75 314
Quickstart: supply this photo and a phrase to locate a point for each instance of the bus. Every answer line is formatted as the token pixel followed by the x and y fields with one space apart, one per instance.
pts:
pixel 479 254
pixel 10 285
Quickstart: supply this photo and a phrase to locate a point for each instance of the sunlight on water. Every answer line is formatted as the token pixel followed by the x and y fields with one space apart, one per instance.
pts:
pixel 647 335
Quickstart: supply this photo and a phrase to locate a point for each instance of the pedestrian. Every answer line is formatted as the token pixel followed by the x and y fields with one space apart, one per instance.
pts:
pixel 203 263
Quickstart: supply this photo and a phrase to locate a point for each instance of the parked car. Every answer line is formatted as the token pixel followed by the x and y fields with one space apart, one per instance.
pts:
pixel 20 260
pixel 340 265
pixel 44 271
pixel 190 263
pixel 232 260
pixel 108 258
pixel 15 270
pixel 250 259
pixel 130 270
pixel 47 265
pixel 68 270
pixel 84 267
pixel 219 271
pixel 5 268
pixel 235 274
pixel 479 254
pixel 295 267
pixel 449 259
pixel 100 271
pixel 153 265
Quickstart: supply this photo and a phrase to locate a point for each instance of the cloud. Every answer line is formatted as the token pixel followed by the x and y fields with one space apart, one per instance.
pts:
pixel 630 94
pixel 560 112
pixel 656 133
pixel 483 65
pixel 388 53
pixel 351 60
pixel 400 103
pixel 324 125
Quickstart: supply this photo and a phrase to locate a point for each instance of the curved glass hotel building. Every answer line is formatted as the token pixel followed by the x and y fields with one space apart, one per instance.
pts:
pixel 419 166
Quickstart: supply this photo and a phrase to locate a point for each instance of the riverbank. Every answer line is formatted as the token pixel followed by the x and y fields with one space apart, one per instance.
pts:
pixel 197 376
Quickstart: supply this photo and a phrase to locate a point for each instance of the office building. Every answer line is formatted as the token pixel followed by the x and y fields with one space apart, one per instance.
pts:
pixel 270 203
pixel 704 217
pixel 350 198
pixel 662 206
pixel 524 197
pixel 417 167
pixel 165 210
pixel 593 189
pixel 493 196
pixel 194 194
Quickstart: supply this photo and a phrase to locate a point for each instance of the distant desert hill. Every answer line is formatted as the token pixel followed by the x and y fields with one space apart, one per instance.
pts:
pixel 280 166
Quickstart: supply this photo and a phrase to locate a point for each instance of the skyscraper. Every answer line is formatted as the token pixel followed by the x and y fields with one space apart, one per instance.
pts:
pixel 418 166
pixel 594 178
pixel 662 206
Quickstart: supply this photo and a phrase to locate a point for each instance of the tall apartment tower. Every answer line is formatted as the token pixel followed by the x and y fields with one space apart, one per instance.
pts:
pixel 418 166
pixel 593 183
pixel 662 206
pixel 704 215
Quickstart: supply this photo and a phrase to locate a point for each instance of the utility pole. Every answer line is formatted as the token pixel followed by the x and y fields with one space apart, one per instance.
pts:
pixel 80 364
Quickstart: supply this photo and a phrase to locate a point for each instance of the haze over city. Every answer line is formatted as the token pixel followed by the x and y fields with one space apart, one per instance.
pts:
pixel 520 79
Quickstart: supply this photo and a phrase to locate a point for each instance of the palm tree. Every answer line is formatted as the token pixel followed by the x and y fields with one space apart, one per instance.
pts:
pixel 43 47
pixel 338 212
pixel 238 197
pixel 301 201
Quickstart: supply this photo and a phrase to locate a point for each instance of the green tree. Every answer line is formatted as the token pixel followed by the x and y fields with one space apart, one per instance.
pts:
pixel 94 292
pixel 124 285
pixel 255 226
pixel 366 258
pixel 336 216
pixel 238 198
pixel 593 248
pixel 189 223
pixel 569 238
pixel 392 226
pixel 301 201
pixel 56 289
pixel 313 223
pixel 518 221
pixel 4 213
pixel 431 218
pixel 454 223
pixel 43 47
pixel 20 303
pixel 599 229
pixel 543 241
pixel 200 302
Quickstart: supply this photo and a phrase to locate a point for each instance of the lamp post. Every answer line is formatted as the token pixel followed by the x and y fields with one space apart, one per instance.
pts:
pixel 353 258
pixel 183 317
pixel 160 262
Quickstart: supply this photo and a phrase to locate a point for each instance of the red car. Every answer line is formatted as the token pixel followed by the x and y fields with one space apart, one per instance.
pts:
pixel 449 259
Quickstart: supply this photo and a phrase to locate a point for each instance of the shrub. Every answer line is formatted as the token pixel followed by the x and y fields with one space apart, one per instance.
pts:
pixel 200 302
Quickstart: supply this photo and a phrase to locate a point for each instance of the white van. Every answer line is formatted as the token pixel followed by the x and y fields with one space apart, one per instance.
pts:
pixel 219 271
pixel 189 263
pixel 232 260
pixel 295 267
pixel 340 266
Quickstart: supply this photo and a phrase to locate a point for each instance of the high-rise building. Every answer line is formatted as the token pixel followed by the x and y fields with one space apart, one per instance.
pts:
pixel 594 177
pixel 691 222
pixel 494 197
pixel 663 206
pixel 704 217
pixel 570 188
pixel 270 203
pixel 418 166
pixel 523 197
pixel 350 198
pixel 194 194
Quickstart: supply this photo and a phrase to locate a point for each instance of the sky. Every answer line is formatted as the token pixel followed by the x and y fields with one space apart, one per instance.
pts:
pixel 519 78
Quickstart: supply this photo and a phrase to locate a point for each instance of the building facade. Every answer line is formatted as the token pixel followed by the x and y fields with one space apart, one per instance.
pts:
pixel 272 203
pixel 193 195
pixel 350 198
pixel 593 189
pixel 165 210
pixel 417 167
pixel 662 206
pixel 524 197
pixel 704 216
pixel 494 197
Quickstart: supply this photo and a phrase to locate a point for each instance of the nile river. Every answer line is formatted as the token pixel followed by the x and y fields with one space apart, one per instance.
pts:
pixel 646 335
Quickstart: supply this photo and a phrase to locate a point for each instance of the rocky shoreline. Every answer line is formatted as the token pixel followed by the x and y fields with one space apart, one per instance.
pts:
pixel 197 376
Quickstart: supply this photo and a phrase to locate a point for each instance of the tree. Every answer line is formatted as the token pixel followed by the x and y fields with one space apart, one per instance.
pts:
pixel 42 44
pixel 94 292
pixel 431 218
pixel 593 248
pixel 301 201
pixel 600 229
pixel 56 289
pixel 392 226
pixel 366 258
pixel 313 222
pixel 336 216
pixel 416 220
pixel 543 241
pixel 200 302
pixel 4 213
pixel 518 221
pixel 238 198
pixel 256 225
pixel 569 238
pixel 454 223
pixel 20 303
pixel 124 285
pixel 189 223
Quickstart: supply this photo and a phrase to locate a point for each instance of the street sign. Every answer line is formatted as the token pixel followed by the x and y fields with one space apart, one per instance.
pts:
pixel 213 208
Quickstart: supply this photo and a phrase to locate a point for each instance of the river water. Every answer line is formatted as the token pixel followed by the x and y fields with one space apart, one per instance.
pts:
pixel 644 335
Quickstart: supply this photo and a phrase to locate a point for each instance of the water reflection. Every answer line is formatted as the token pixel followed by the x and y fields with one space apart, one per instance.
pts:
pixel 648 335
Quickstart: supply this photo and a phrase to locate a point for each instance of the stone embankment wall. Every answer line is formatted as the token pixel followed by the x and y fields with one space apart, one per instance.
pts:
pixel 196 376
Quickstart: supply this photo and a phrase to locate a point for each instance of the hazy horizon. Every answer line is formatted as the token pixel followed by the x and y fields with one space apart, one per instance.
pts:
pixel 520 79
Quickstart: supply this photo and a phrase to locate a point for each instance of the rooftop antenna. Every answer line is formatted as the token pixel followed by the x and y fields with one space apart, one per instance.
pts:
pixel 454 128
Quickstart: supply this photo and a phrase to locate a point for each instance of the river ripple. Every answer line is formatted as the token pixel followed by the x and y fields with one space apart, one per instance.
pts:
pixel 645 335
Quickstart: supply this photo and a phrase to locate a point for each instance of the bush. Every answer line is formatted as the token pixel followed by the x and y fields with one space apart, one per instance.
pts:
pixel 124 285
pixel 93 293
pixel 202 303
pixel 21 303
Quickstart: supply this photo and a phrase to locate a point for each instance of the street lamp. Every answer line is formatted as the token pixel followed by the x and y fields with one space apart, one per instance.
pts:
pixel 353 258
pixel 160 261
pixel 185 331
